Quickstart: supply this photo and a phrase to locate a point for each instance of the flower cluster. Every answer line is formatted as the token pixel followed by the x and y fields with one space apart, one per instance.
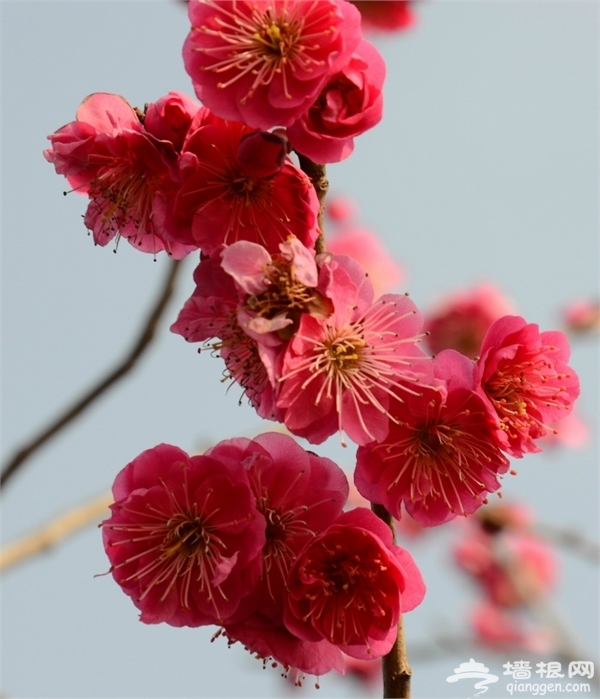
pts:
pixel 252 536
pixel 513 568
pixel 446 444
pixel 304 337
pixel 180 177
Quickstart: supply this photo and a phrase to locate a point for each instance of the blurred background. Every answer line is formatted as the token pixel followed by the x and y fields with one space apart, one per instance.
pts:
pixel 483 170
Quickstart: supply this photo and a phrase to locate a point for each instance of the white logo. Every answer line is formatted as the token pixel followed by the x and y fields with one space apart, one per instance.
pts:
pixel 475 671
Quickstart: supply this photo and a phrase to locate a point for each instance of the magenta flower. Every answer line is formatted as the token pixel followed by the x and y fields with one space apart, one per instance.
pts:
pixel 170 117
pixel 184 538
pixel 340 373
pixel 300 495
pixel 366 248
pixel 126 172
pixel 264 62
pixel 222 201
pixel 439 457
pixel 349 585
pixel 350 103
pixel 462 318
pixel 212 312
pixel 385 15
pixel 524 378
pixel 516 571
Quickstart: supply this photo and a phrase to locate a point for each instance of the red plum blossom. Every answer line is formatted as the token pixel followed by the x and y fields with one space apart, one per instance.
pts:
pixel 264 62
pixel 350 103
pixel 127 173
pixel 185 537
pixel 525 380
pixel 439 458
pixel 349 585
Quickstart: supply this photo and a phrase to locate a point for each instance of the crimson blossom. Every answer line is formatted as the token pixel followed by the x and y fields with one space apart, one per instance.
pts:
pixel 264 62
pixel 299 494
pixel 227 194
pixel 350 104
pixel 439 458
pixel 342 373
pixel 526 383
pixel 185 537
pixel 462 318
pixel 385 15
pixel 349 586
pixel 127 172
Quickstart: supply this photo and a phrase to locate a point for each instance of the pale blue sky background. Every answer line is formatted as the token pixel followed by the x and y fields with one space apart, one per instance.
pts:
pixel 485 167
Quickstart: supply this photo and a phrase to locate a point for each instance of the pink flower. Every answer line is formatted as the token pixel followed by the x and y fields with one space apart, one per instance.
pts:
pixel 262 154
pixel 366 248
pixel 571 432
pixel 349 585
pixel 339 208
pixel 462 319
pixel 264 62
pixel 501 629
pixel 513 569
pixel 583 316
pixel 299 494
pixel 385 15
pixel 439 458
pixel 211 312
pixel 169 118
pixel 350 103
pixel 274 290
pixel 338 374
pixel 127 173
pixel 184 538
pixel 221 201
pixel 524 378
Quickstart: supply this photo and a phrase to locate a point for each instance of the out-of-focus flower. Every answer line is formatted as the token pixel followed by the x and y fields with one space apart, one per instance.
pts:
pixel 438 459
pixel 364 247
pixel 583 316
pixel 185 537
pixel 571 432
pixel 385 15
pixel 264 62
pixel 499 628
pixel 350 103
pixel 512 570
pixel 461 320
pixel 339 208
pixel 524 378
pixel 349 585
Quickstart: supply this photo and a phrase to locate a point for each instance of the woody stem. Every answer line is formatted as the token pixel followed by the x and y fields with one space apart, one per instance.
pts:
pixel 316 173
pixel 396 670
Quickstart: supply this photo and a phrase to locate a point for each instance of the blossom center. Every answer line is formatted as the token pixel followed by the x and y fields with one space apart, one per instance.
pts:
pixel 264 46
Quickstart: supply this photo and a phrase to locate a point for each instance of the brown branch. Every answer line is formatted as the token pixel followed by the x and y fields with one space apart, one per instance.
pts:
pixel 141 344
pixel 396 670
pixel 58 529
pixel 316 173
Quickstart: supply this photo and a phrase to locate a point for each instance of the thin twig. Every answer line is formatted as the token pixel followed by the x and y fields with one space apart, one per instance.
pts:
pixel 396 670
pixel 58 529
pixel 124 367
pixel 316 173
pixel 571 540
